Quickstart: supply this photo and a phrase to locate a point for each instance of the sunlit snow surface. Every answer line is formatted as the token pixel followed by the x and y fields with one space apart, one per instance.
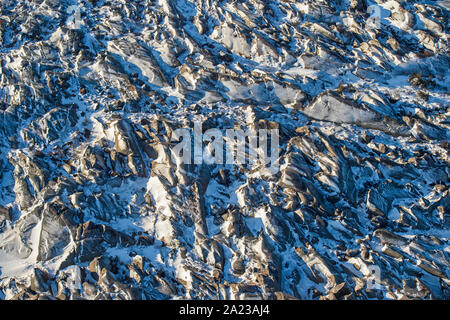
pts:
pixel 93 206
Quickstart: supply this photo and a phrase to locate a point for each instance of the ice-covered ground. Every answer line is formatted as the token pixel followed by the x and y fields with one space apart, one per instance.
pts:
pixel 93 206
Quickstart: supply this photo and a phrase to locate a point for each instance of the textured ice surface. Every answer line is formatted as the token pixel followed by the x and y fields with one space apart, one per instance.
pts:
pixel 93 206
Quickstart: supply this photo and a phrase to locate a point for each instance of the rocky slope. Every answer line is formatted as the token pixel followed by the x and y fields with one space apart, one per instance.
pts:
pixel 92 205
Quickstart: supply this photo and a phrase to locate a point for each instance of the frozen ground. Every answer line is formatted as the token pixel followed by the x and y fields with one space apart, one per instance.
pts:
pixel 93 207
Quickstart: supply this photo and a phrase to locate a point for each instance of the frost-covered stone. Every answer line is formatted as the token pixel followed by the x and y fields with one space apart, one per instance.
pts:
pixel 94 204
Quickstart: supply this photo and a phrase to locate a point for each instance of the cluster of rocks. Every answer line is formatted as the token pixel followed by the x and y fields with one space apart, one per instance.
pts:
pixel 94 206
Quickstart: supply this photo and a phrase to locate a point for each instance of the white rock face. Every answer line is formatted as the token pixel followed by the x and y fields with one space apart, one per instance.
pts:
pixel 94 205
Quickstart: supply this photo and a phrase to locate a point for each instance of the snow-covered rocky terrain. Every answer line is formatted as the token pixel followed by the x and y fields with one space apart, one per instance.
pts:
pixel 93 206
